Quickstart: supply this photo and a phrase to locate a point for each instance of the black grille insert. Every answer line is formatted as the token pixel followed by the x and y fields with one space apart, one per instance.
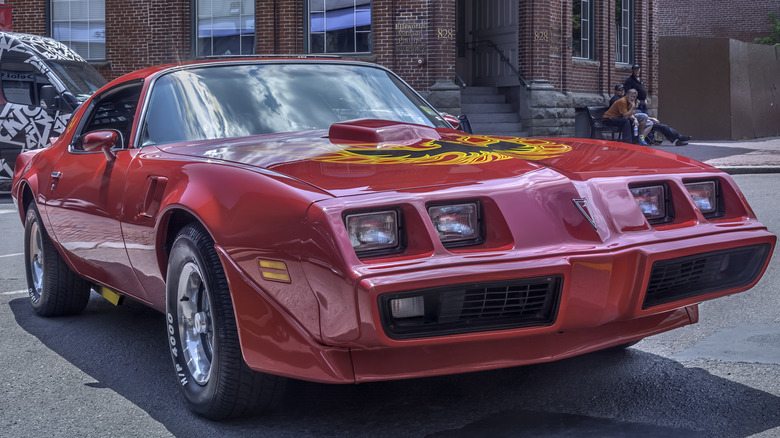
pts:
pixel 475 307
pixel 700 274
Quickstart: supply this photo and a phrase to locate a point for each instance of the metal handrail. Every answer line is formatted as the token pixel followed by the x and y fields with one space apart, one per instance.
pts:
pixel 459 81
pixel 474 44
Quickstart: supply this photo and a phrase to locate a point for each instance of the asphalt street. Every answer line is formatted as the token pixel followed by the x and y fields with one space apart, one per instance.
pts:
pixel 107 373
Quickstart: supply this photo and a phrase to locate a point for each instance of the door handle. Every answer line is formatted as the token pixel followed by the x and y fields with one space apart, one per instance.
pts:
pixel 55 176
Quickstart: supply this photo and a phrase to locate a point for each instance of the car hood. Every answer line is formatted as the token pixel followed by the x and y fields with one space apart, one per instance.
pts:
pixel 373 156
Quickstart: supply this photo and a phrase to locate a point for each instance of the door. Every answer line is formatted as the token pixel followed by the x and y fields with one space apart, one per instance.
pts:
pixel 494 42
pixel 85 198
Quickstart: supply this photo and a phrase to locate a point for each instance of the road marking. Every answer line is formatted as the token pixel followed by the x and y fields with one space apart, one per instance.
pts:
pixel 14 292
pixel 11 255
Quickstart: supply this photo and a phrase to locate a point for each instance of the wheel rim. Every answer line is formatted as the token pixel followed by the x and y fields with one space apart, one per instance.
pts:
pixel 36 261
pixel 195 322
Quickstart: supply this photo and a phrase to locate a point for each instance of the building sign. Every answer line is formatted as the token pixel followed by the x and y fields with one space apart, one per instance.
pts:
pixel 411 36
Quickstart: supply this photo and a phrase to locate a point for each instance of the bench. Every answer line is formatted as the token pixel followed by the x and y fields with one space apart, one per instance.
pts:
pixel 596 119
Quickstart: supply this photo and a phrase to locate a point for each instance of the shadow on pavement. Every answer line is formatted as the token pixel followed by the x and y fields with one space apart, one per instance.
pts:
pixel 605 394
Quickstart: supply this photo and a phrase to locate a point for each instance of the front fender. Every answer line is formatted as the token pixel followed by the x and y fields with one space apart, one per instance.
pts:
pixel 252 214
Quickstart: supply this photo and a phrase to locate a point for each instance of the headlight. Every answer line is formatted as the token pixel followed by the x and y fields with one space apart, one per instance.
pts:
pixel 456 224
pixel 652 200
pixel 373 231
pixel 705 196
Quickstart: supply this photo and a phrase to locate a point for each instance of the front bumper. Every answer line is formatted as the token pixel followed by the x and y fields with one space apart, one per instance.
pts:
pixel 602 303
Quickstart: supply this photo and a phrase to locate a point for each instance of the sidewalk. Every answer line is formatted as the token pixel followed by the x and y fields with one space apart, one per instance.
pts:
pixel 743 156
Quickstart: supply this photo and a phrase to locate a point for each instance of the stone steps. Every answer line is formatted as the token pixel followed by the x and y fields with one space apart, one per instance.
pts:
pixel 489 113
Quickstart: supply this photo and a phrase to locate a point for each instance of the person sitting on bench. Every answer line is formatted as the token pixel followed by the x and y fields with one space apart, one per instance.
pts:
pixel 621 114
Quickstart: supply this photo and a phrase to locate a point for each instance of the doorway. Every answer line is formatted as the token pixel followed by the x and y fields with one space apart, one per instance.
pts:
pixel 487 42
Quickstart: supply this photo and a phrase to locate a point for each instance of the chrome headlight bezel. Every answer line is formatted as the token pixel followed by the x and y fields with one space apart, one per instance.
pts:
pixel 650 195
pixel 465 226
pixel 384 225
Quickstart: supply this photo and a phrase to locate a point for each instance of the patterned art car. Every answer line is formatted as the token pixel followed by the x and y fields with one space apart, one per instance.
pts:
pixel 318 220
pixel 42 81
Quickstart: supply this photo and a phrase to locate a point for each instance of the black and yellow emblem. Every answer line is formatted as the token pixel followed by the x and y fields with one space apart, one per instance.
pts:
pixel 464 149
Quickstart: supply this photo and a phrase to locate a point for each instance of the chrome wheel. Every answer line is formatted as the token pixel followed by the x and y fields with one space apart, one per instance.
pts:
pixel 203 335
pixel 195 322
pixel 35 254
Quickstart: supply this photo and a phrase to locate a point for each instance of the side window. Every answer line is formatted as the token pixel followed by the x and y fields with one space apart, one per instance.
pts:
pixel 624 31
pixel 582 29
pixel 21 80
pixel 225 28
pixel 80 25
pixel 114 110
pixel 339 26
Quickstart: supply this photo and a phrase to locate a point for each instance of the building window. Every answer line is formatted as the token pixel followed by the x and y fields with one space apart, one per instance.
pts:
pixel 582 29
pixel 225 28
pixel 624 31
pixel 81 25
pixel 339 26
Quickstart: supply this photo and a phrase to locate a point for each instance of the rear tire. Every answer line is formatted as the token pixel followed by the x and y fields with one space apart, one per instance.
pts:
pixel 203 337
pixel 53 287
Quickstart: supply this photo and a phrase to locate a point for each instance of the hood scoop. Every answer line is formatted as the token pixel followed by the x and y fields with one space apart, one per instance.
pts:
pixel 375 132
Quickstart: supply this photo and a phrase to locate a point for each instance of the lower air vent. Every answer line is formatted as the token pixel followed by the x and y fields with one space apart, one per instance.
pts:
pixel 469 308
pixel 700 274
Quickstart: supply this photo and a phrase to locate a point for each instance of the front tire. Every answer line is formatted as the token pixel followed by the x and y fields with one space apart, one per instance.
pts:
pixel 202 334
pixel 54 288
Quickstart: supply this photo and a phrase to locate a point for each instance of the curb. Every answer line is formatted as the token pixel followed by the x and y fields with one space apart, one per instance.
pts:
pixel 742 170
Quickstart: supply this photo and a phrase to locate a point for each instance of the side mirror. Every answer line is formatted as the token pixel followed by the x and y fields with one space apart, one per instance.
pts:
pixel 49 97
pixel 53 101
pixel 465 124
pixel 67 102
pixel 461 123
pixel 102 140
pixel 452 120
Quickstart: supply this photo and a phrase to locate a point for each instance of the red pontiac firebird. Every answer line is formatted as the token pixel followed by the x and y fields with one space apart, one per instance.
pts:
pixel 318 220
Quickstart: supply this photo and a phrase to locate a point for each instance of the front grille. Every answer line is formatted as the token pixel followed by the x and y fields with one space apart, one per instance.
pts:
pixel 476 307
pixel 700 274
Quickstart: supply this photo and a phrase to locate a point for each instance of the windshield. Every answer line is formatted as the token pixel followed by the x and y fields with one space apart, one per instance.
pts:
pixel 242 100
pixel 80 78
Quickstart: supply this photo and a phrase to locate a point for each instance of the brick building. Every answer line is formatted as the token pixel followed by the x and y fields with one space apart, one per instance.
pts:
pixel 743 21
pixel 715 83
pixel 538 60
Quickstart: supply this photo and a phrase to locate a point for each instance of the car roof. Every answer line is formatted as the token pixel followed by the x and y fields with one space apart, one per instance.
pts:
pixel 45 48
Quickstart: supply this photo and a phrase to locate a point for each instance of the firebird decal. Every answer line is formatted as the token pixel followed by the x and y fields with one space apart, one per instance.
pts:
pixel 466 149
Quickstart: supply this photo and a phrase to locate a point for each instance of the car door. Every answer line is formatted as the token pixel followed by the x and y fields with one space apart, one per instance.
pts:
pixel 85 199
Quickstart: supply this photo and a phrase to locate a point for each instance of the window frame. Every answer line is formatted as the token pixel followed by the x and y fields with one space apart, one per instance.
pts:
pixel 308 29
pixel 585 41
pixel 101 40
pixel 624 32
pixel 87 123
pixel 196 45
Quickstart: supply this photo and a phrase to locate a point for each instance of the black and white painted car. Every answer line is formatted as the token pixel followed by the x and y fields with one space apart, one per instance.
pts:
pixel 42 82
